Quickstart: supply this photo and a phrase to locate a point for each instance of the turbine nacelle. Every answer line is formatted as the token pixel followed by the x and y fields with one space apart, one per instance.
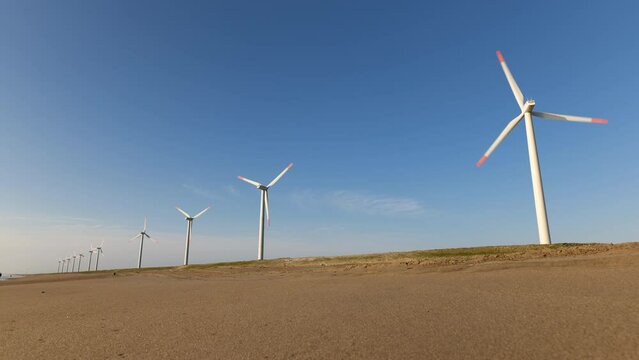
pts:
pixel 528 106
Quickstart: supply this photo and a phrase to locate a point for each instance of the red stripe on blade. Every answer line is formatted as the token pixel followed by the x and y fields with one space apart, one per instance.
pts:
pixel 500 56
pixel 600 121
pixel 481 161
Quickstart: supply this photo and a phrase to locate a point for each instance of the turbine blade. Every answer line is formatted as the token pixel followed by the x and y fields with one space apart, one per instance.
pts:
pixel 254 183
pixel 585 119
pixel 511 125
pixel 511 81
pixel 102 243
pixel 200 213
pixel 156 242
pixel 183 212
pixel 135 237
pixel 268 215
pixel 280 175
pixel 144 229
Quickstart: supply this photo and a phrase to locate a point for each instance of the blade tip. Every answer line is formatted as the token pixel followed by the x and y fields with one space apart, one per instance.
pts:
pixel 600 120
pixel 289 166
pixel 500 56
pixel 481 161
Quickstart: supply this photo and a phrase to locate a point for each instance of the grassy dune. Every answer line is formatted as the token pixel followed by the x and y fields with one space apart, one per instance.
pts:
pixel 419 257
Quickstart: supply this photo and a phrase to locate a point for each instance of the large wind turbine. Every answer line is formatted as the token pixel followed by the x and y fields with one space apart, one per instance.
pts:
pixel 264 206
pixel 99 251
pixel 527 113
pixel 141 235
pixel 80 256
pixel 189 227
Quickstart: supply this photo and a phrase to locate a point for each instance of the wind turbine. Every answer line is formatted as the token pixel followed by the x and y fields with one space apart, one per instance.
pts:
pixel 264 206
pixel 80 256
pixel 99 251
pixel 68 262
pixel 189 227
pixel 141 235
pixel 73 257
pixel 91 251
pixel 527 113
pixel 59 262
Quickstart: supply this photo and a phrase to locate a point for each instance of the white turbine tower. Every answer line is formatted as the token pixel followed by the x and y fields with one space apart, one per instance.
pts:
pixel 80 256
pixel 189 228
pixel 98 250
pixel 68 262
pixel 527 113
pixel 264 207
pixel 141 235
pixel 73 265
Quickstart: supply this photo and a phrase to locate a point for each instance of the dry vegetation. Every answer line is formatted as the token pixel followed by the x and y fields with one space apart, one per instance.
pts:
pixel 423 258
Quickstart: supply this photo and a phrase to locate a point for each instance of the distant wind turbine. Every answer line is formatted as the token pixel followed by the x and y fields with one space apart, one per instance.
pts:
pixel 73 265
pixel 68 262
pixel 99 251
pixel 189 228
pixel 264 207
pixel 141 235
pixel 527 113
pixel 80 256
pixel 59 262
pixel 91 251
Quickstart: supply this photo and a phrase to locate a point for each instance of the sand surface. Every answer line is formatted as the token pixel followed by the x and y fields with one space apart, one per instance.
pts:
pixel 556 307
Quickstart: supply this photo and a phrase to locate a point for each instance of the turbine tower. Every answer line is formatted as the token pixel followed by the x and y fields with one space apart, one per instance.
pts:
pixel 73 266
pixel 527 113
pixel 264 207
pixel 99 251
pixel 141 235
pixel 189 227
pixel 59 262
pixel 68 262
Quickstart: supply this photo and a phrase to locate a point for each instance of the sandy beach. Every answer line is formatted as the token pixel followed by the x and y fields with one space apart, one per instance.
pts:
pixel 563 304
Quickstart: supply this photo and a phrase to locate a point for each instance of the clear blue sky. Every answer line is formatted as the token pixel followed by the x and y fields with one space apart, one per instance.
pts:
pixel 113 110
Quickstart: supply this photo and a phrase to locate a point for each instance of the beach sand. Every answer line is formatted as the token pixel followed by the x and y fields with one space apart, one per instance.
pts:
pixel 564 305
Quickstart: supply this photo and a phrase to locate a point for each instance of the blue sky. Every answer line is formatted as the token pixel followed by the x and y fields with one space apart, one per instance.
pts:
pixel 115 110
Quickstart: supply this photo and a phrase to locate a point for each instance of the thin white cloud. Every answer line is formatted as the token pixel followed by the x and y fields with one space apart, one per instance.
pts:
pixel 355 202
pixel 200 191
pixel 231 189
pixel 373 204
